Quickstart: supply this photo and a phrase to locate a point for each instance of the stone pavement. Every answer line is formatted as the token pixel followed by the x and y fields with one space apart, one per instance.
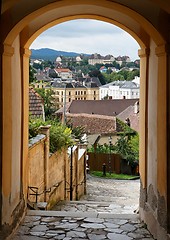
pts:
pixel 40 225
pixel 106 212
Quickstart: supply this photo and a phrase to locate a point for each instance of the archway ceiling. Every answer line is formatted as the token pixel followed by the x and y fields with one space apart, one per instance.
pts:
pixel 34 15
pixel 137 5
pixel 84 11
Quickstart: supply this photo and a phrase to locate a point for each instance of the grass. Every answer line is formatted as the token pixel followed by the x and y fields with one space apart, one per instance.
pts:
pixel 114 175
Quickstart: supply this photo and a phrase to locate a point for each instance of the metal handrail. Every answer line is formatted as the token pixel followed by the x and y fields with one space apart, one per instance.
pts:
pixel 36 194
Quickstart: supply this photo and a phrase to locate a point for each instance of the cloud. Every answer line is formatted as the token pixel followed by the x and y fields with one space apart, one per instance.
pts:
pixel 88 36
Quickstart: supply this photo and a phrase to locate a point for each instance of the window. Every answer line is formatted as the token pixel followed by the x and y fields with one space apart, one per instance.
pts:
pixel 84 92
pixel 69 99
pixel 69 93
pixel 94 92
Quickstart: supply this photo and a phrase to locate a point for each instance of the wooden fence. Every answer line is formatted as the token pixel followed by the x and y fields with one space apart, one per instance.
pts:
pixel 112 161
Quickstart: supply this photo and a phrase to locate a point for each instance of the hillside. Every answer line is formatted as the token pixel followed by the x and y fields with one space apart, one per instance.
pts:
pixel 51 54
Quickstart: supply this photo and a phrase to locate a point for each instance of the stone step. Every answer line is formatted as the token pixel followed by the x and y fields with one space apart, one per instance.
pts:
pixel 81 214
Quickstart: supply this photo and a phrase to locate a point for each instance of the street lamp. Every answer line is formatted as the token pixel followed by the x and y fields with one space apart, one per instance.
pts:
pixel 110 143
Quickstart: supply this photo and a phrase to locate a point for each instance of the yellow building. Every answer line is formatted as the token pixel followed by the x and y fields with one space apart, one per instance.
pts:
pixel 147 21
pixel 66 92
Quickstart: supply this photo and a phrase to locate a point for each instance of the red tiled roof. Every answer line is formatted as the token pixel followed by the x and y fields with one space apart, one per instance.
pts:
pixel 93 123
pixel 62 70
pixel 36 104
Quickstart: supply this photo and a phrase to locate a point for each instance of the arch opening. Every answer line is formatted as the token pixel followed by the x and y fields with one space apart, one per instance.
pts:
pixel 17 35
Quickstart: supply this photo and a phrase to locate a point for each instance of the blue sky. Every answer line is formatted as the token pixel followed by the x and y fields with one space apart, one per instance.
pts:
pixel 88 36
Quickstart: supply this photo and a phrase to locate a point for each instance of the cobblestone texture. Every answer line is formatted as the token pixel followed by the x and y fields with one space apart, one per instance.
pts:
pixel 91 218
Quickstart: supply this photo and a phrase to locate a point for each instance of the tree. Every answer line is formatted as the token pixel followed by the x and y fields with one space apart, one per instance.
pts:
pixel 47 96
pixel 128 147
pixel 97 73
pixel 31 74
pixel 37 66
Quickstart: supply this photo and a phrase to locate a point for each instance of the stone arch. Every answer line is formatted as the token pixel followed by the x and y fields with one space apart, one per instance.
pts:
pixel 23 26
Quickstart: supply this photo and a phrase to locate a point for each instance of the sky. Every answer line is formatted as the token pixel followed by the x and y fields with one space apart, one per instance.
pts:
pixel 88 36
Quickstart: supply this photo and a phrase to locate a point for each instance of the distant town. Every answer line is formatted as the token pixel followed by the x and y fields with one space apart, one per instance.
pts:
pixel 86 77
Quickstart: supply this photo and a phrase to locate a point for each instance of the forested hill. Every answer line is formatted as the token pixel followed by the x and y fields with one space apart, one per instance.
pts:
pixel 51 54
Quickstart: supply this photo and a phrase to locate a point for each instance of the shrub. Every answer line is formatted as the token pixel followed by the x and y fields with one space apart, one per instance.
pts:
pixel 60 135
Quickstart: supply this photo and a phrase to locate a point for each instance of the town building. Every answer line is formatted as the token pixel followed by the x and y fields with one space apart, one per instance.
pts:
pixel 108 59
pixel 120 89
pixel 64 73
pixel 65 92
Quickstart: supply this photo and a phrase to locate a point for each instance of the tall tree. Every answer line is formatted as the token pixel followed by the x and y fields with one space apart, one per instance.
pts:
pixel 48 98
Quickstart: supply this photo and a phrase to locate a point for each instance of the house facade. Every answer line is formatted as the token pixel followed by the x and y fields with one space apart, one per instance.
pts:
pixel 64 73
pixel 67 92
pixel 108 59
pixel 120 90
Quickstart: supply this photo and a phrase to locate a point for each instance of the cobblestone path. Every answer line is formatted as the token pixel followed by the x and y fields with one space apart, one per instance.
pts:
pixel 99 215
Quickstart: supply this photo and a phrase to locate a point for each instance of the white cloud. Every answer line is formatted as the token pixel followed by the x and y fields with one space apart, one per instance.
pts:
pixel 88 36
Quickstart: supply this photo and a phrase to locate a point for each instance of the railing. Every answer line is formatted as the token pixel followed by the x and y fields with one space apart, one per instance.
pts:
pixel 37 194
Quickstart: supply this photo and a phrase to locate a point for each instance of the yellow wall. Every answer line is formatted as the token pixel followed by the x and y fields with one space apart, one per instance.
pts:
pixel 52 172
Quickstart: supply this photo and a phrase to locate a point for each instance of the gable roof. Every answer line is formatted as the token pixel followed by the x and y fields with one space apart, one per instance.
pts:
pixel 60 70
pixel 133 117
pixel 36 104
pixel 111 107
pixel 92 123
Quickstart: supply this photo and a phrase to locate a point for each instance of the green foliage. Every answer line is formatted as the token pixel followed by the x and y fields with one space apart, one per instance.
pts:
pixel 105 148
pixel 60 135
pixel 128 147
pixel 77 132
pixel 31 74
pixel 113 175
pixel 97 73
pixel 37 66
pixel 47 96
pixel 34 125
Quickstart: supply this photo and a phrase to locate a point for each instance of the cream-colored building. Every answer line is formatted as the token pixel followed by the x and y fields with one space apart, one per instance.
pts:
pixel 97 58
pixel 64 73
pixel 66 92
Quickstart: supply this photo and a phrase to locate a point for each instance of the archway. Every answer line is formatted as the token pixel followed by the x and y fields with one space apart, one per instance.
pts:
pixel 25 22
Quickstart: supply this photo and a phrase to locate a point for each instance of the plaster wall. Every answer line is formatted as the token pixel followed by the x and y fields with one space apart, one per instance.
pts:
pixel 152 118
pixel 12 101
pixel 56 178
pixel 36 175
pixel 81 177
pixel 16 124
